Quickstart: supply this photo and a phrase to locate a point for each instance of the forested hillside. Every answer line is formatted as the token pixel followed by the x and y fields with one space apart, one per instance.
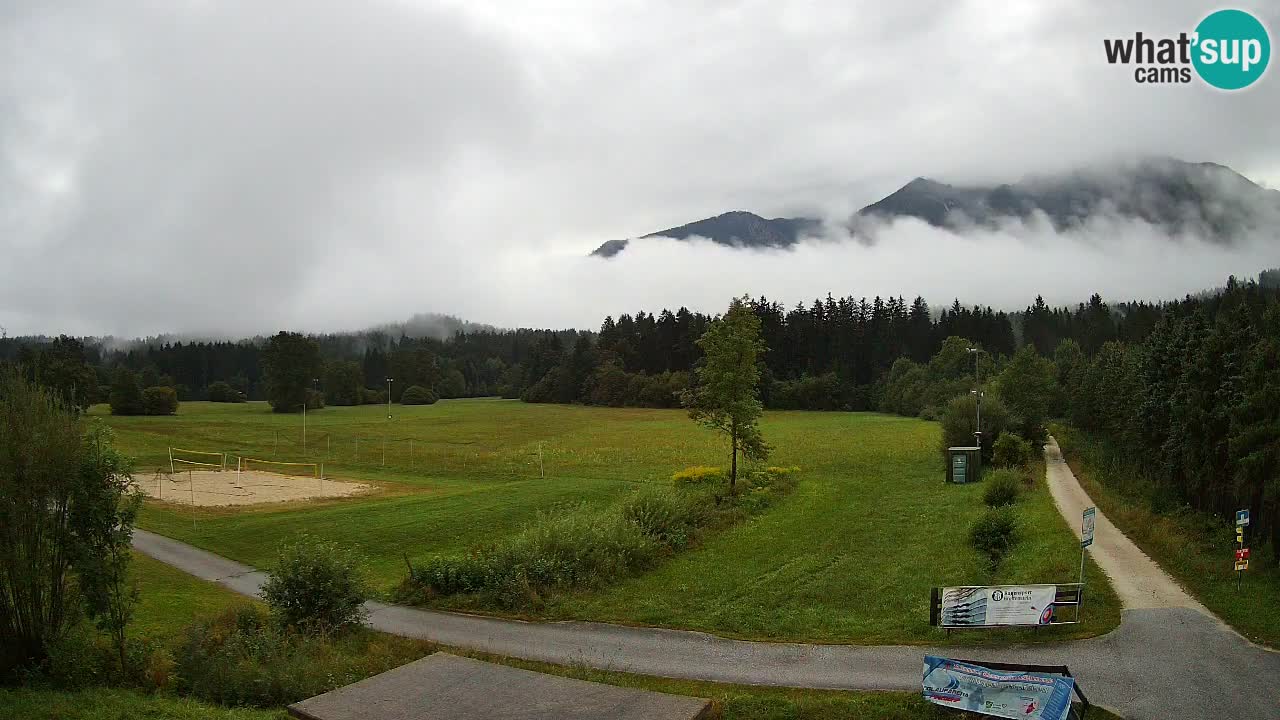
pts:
pixel 1184 395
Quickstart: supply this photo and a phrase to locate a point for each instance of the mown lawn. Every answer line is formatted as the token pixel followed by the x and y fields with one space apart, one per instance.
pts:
pixel 170 598
pixel 849 556
pixel 1195 549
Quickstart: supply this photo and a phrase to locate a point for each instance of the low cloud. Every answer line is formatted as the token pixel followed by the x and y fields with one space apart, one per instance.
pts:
pixel 236 167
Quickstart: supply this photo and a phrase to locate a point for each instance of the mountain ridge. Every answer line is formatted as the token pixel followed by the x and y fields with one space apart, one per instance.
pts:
pixel 1206 198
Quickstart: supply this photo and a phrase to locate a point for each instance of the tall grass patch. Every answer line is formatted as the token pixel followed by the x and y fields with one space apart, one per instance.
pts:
pixel 242 657
pixel 586 548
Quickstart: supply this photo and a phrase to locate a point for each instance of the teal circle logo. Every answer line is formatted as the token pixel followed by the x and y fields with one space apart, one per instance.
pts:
pixel 1232 49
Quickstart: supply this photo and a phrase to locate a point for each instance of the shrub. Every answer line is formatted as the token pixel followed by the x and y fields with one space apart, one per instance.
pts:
pixel 928 412
pixel 994 534
pixel 222 392
pixel 243 658
pixel 570 549
pixel 159 400
pixel 417 395
pixel 82 657
pixel 668 516
pixel 1002 487
pixel 66 514
pixel 316 586
pixel 1010 450
pixel 699 474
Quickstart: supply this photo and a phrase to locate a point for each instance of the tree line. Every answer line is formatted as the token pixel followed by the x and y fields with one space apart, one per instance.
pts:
pixel 1183 394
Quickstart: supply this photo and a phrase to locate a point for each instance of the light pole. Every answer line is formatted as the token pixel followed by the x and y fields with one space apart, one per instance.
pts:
pixel 977 398
pixel 388 398
pixel 316 384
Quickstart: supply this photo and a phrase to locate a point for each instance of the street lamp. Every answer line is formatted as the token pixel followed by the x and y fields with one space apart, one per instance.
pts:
pixel 388 398
pixel 977 397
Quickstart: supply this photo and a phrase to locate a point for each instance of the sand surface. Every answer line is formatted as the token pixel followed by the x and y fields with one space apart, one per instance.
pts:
pixel 213 488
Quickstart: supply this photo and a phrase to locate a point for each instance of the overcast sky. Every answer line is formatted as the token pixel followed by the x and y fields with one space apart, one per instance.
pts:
pixel 239 167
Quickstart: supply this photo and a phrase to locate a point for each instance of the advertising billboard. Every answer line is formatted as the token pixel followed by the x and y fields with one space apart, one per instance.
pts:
pixel 999 693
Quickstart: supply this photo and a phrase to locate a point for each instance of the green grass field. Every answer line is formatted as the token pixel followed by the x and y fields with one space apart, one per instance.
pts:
pixel 1197 550
pixel 849 556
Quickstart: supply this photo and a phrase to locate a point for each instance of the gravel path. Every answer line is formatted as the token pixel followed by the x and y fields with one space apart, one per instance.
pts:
pixel 1138 580
pixel 1169 659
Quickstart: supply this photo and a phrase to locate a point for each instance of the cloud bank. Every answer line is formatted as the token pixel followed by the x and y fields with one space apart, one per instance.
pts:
pixel 235 167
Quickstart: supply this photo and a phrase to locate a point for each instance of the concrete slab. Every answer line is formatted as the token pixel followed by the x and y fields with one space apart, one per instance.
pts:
pixel 448 687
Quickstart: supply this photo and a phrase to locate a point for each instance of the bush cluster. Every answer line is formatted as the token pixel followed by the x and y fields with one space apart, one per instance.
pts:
pixel 316 587
pixel 222 392
pixel 417 395
pixel 243 657
pixel 668 518
pixel 82 657
pixel 1011 451
pixel 584 548
pixel 1002 487
pixel 568 549
pixel 995 533
pixel 159 401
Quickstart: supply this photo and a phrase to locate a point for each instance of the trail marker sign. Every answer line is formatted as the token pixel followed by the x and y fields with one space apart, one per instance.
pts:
pixel 1087 527
pixel 1242 565
pixel 1242 554
pixel 1242 518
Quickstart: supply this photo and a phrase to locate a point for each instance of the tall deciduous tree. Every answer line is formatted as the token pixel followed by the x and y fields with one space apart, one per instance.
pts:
pixel 290 364
pixel 727 395
pixel 1028 386
pixel 65 515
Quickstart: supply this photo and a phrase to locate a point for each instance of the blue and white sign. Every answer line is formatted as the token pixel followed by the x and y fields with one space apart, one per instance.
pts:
pixel 1242 518
pixel 999 693
pixel 1087 526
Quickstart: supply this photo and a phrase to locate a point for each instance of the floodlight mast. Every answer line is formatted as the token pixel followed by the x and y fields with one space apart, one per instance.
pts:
pixel 977 397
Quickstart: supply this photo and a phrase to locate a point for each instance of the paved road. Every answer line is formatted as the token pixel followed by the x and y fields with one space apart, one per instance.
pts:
pixel 1166 661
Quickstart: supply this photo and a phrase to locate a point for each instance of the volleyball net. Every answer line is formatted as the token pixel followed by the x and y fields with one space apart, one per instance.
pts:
pixel 276 467
pixel 183 459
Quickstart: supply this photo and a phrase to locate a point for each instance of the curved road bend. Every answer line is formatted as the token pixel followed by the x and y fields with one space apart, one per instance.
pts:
pixel 1169 659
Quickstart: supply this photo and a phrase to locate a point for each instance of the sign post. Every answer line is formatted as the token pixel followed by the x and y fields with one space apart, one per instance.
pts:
pixel 1088 524
pixel 1242 552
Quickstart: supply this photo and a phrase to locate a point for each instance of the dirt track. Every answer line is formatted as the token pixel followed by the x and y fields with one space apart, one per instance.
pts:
pixel 1137 579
